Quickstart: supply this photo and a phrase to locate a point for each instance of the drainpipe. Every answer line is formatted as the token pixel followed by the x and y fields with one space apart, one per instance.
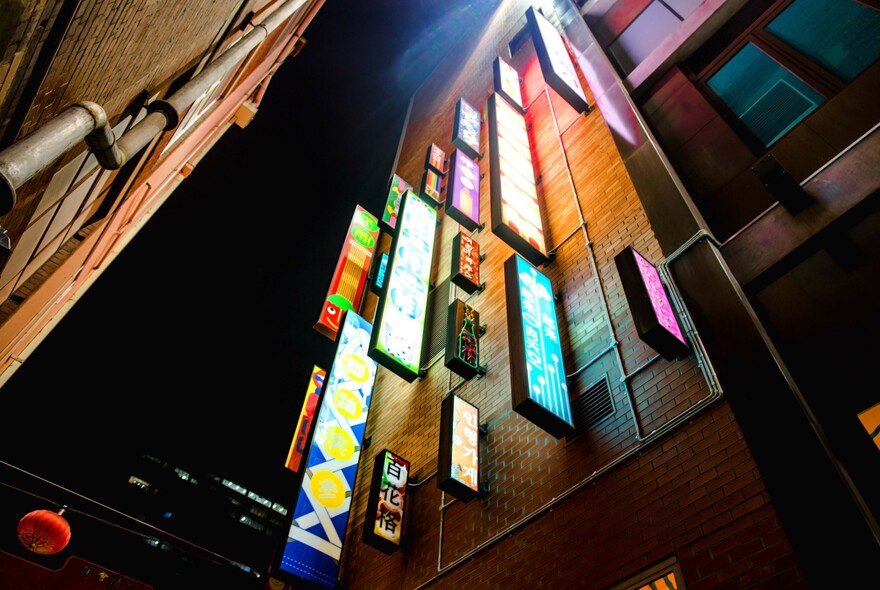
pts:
pixel 87 120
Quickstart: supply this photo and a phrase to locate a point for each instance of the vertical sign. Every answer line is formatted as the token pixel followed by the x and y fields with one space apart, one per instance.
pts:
pixel 516 210
pixel 653 315
pixel 383 523
pixel 435 159
pixel 507 83
pixel 400 315
pixel 466 129
pixel 538 386
pixel 306 418
pixel 432 188
pixel 314 543
pixel 465 260
pixel 396 187
pixel 463 192
pixel 462 339
pixel 556 64
pixel 458 463
pixel 379 277
pixel 350 277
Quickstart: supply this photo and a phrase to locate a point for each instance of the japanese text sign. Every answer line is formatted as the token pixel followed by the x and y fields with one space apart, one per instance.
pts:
pixel 384 520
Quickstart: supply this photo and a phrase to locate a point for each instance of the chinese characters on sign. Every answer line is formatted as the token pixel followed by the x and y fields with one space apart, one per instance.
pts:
pixel 400 315
pixel 306 418
pixel 516 211
pixel 463 199
pixel 556 64
pixel 314 542
pixel 465 263
pixel 350 277
pixel 458 464
pixel 653 315
pixel 384 521
pixel 539 390
pixel 466 129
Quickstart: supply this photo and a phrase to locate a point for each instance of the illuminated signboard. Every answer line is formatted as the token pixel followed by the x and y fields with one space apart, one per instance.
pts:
pixel 516 210
pixel 314 543
pixel 870 419
pixel 466 129
pixel 396 187
pixel 465 263
pixel 651 309
pixel 435 159
pixel 462 339
pixel 383 524
pixel 432 188
pixel 379 277
pixel 507 83
pixel 458 463
pixel 538 386
pixel 463 192
pixel 400 314
pixel 347 286
pixel 306 418
pixel 556 64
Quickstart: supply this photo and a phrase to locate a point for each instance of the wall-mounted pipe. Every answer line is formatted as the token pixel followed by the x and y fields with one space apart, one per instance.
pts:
pixel 87 120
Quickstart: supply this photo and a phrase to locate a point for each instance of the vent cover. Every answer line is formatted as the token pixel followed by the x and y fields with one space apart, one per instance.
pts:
pixel 435 326
pixel 777 111
pixel 592 406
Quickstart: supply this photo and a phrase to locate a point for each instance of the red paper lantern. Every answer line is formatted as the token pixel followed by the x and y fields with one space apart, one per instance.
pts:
pixel 44 532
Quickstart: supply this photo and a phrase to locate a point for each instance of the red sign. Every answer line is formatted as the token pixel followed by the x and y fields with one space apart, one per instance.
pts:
pixel 435 159
pixel 465 263
pixel 306 418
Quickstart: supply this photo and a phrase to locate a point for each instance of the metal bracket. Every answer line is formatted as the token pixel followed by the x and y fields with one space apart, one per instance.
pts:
pixel 481 287
pixel 368 440
pixel 484 488
pixel 483 329
pixel 422 374
pixel 481 371
pixel 483 430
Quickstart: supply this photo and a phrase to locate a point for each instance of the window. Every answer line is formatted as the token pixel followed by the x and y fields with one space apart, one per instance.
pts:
pixel 790 61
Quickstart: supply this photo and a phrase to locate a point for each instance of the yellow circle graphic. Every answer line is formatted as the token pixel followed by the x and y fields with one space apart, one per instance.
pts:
pixel 338 443
pixel 355 368
pixel 348 404
pixel 328 489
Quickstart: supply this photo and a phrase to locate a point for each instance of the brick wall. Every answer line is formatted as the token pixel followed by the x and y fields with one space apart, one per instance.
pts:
pixel 668 474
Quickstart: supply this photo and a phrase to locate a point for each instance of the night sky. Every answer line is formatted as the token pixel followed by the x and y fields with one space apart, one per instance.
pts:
pixel 197 341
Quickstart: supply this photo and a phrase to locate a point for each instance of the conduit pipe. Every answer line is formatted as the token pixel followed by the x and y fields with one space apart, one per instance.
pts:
pixel 87 120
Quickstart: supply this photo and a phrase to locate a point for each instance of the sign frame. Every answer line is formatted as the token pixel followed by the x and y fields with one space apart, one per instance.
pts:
pixel 556 64
pixel 461 168
pixel 375 504
pixel 447 468
pixel 463 129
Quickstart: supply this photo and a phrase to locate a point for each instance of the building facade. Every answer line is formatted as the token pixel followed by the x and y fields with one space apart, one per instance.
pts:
pixel 733 145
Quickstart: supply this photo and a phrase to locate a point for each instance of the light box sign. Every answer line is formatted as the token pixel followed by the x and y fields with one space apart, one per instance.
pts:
pixel 466 129
pixel 462 339
pixel 400 315
pixel 435 159
pixel 379 277
pixel 320 518
pixel 463 191
pixel 516 209
pixel 539 391
pixel 506 81
pixel 306 419
pixel 350 277
pixel 384 522
pixel 432 188
pixel 465 259
pixel 651 308
pixel 556 65
pixel 396 188
pixel 458 463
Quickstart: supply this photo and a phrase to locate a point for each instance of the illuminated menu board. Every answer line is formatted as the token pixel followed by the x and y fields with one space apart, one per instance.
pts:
pixel 516 210
pixel 463 192
pixel 458 463
pixel 400 315
pixel 306 418
pixel 506 81
pixel 314 543
pixel 556 65
pixel 653 315
pixel 384 522
pixel 539 391
pixel 435 159
pixel 396 187
pixel 466 129
pixel 347 286
pixel 465 259
pixel 462 339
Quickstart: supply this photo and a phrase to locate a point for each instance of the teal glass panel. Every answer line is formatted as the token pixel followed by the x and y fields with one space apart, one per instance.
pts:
pixel 766 97
pixel 841 35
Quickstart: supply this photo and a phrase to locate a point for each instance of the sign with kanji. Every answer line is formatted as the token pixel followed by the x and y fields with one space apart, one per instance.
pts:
pixel 384 520
pixel 465 258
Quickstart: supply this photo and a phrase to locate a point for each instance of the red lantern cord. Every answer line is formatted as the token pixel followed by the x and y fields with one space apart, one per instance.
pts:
pixel 44 532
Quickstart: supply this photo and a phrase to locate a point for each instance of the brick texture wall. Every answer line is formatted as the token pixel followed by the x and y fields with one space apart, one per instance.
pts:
pixel 668 474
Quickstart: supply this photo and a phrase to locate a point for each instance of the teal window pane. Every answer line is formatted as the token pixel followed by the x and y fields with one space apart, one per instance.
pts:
pixel 841 35
pixel 766 97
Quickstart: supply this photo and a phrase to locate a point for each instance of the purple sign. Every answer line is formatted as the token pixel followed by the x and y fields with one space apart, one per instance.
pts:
pixel 657 295
pixel 463 199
